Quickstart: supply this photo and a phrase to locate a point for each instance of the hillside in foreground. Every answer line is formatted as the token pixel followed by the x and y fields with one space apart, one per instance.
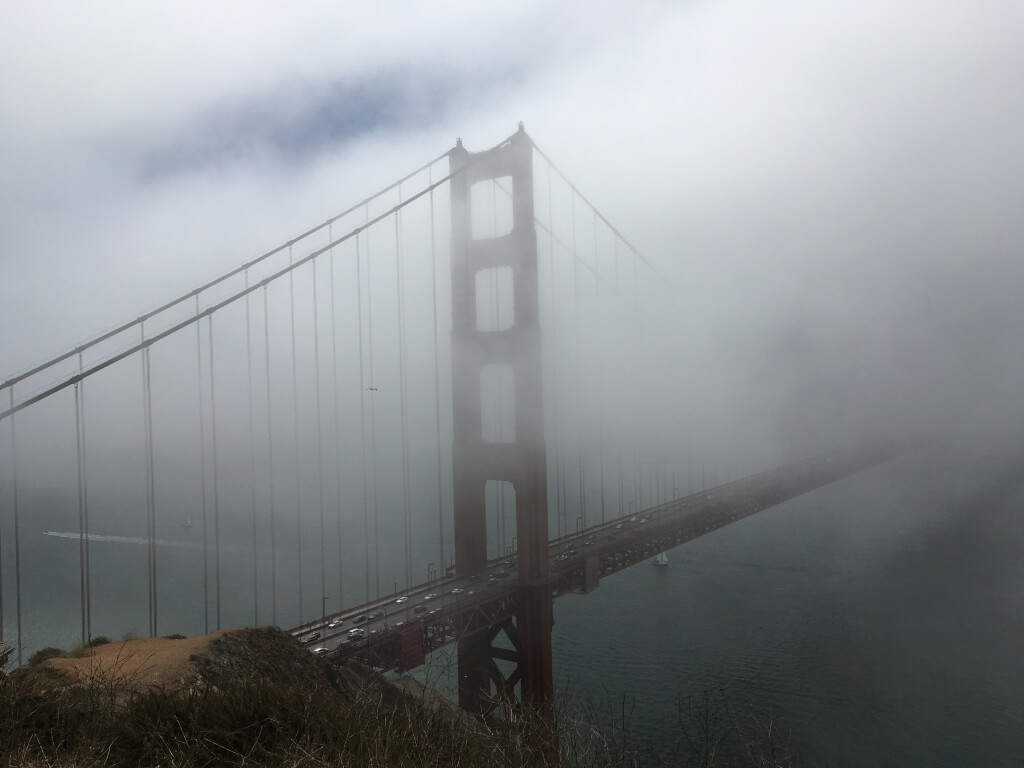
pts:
pixel 255 697
pixel 249 697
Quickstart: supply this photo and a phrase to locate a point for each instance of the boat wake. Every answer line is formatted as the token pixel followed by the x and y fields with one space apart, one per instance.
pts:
pixel 116 539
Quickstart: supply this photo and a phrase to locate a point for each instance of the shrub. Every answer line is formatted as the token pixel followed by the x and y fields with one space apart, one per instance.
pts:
pixel 43 654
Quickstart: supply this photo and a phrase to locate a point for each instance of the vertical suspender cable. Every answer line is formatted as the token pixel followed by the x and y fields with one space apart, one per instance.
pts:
pixel 337 418
pixel 319 444
pixel 499 492
pixel 202 466
pixel 149 517
pixel 618 411
pixel 1 581
pixel 373 421
pixel 362 419
pixel 437 376
pixel 403 397
pixel 216 483
pixel 559 502
pixel 270 463
pixel 149 520
pixel 638 476
pixel 83 506
pixel 602 379
pixel 295 428
pixel 152 489
pixel 147 418
pixel 85 515
pixel 17 531
pixel 578 343
pixel 81 510
pixel 252 456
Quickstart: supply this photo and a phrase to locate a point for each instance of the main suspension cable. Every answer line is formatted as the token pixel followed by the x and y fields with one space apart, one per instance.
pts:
pixel 603 218
pixel 211 283
pixel 97 367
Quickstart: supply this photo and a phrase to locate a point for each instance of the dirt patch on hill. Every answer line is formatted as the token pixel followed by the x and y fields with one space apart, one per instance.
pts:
pixel 138 664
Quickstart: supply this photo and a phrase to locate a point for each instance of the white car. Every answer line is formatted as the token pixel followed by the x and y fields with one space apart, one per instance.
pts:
pixel 402 599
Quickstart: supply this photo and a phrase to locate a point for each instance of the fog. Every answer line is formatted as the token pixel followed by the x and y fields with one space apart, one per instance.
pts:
pixel 825 197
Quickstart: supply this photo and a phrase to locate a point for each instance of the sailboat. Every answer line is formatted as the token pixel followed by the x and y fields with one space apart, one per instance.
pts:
pixel 661 559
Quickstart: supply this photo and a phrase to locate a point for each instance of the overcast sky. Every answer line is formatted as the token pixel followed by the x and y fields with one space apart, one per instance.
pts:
pixel 834 185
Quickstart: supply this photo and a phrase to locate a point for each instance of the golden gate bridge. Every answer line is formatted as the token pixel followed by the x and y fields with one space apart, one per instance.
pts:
pixel 416 423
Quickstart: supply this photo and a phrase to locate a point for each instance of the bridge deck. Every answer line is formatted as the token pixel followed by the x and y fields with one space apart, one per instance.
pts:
pixel 397 632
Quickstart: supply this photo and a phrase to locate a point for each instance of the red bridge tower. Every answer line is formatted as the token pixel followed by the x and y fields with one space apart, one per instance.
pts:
pixel 520 459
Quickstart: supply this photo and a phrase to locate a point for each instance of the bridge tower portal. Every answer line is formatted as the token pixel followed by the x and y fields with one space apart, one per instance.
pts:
pixel 519 458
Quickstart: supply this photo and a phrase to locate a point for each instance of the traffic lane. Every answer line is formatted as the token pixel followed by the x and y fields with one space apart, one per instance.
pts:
pixel 365 631
pixel 404 608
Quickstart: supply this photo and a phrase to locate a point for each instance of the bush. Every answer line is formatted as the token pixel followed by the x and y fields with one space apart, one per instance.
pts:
pixel 98 640
pixel 44 654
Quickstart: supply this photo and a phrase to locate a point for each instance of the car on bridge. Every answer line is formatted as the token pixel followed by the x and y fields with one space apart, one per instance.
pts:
pixel 311 638
pixel 334 623
pixel 429 596
pixel 320 650
pixel 402 599
pixel 360 619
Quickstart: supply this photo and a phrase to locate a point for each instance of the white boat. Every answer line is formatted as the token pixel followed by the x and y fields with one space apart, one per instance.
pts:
pixel 661 559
